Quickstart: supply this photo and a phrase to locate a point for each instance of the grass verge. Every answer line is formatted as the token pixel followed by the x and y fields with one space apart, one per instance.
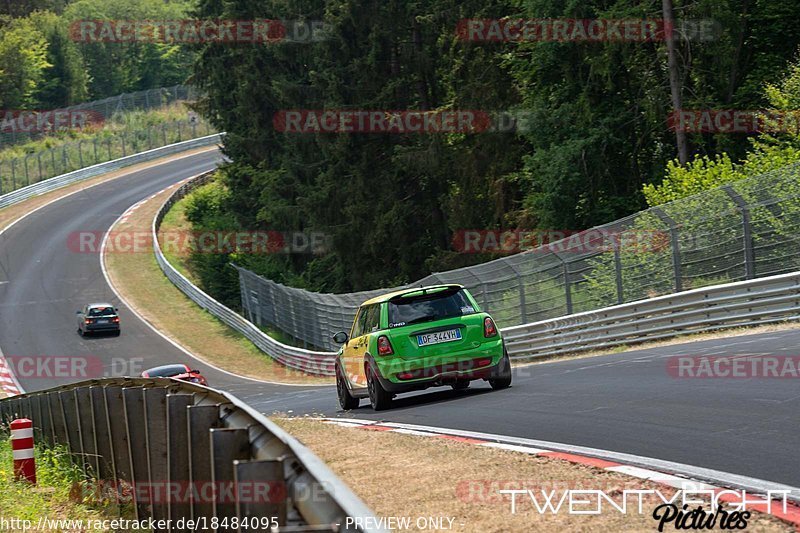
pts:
pixel 432 477
pixel 139 280
pixel 53 497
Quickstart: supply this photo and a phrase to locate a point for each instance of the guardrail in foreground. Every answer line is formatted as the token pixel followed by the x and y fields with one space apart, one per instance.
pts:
pixel 109 166
pixel 145 436
pixel 745 303
pixel 308 361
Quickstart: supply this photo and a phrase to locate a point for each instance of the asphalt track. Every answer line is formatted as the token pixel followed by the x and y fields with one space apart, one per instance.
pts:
pixel 625 402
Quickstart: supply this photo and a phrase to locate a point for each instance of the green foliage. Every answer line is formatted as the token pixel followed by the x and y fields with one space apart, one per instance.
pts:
pixel 769 151
pixel 23 62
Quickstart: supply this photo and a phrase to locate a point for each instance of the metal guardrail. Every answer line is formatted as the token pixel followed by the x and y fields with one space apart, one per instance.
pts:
pixel 141 436
pixel 745 303
pixel 746 230
pixel 308 361
pixel 95 170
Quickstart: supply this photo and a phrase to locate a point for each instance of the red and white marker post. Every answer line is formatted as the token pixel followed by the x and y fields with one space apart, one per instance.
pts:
pixel 22 449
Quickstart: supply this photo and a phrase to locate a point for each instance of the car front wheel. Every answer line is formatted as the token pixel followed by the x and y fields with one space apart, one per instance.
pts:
pixel 346 400
pixel 379 397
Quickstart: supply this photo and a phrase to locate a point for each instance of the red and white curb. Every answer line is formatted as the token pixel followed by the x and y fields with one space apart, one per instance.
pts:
pixel 676 475
pixel 8 382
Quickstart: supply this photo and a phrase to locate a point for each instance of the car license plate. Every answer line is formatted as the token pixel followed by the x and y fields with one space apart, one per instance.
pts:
pixel 102 321
pixel 438 337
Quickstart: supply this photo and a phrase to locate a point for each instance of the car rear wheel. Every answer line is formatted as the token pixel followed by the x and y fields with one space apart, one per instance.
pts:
pixel 503 380
pixel 80 332
pixel 346 400
pixel 379 397
pixel 117 333
pixel 460 385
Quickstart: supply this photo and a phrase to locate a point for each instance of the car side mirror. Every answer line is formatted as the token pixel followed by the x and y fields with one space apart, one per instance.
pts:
pixel 340 338
pixel 77 312
pixel 116 309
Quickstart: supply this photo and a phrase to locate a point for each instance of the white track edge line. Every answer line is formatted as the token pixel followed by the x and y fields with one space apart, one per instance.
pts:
pixel 657 466
pixel 152 327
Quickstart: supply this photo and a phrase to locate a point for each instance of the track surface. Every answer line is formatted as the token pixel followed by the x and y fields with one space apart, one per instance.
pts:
pixel 624 402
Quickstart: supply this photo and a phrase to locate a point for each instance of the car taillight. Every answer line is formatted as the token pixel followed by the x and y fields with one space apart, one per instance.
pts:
pixel 115 320
pixel 88 320
pixel 384 346
pixel 489 329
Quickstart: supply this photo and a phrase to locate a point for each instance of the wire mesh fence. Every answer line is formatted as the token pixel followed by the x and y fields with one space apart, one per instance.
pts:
pixel 38 166
pixel 106 108
pixel 745 230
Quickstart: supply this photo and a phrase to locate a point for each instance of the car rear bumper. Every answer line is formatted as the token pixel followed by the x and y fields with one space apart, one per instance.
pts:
pixel 404 376
pixel 101 327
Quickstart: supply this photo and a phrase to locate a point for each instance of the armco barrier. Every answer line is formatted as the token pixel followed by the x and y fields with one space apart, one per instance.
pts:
pixel 158 441
pixel 311 362
pixel 745 303
pixel 95 170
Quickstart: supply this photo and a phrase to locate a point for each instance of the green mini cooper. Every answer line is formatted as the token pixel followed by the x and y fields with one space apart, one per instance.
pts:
pixel 418 338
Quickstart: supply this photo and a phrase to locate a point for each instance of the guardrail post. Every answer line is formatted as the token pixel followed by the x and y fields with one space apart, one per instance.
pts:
pixel 39 421
pixel 201 418
pixel 263 483
pixel 522 307
pixel 102 435
pixel 70 409
pixel 118 431
pixel 227 446
pixel 14 174
pixel 747 231
pixel 25 163
pixel 675 245
pixel 178 455
pixel 155 415
pixel 133 400
pixel 567 282
pixel 57 414
pixel 618 271
pixel 87 431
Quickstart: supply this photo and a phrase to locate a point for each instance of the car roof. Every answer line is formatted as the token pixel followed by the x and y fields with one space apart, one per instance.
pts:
pixel 169 366
pixel 389 295
pixel 92 306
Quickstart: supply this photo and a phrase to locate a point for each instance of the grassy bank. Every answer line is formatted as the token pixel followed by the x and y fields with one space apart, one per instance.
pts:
pixel 58 481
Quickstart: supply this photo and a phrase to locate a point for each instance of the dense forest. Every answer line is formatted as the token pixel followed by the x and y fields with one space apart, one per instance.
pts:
pixel 597 130
pixel 596 143
pixel 42 66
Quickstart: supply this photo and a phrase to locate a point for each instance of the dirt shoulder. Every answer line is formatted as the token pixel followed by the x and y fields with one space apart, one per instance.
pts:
pixel 139 280
pixel 400 475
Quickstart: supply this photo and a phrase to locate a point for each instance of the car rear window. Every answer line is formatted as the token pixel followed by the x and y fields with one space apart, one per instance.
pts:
pixel 421 308
pixel 101 311
pixel 166 371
